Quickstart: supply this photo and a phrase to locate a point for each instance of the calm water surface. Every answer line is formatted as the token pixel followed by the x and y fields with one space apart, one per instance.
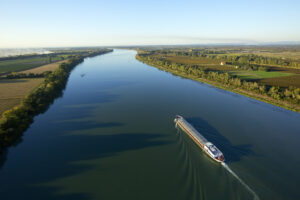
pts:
pixel 112 136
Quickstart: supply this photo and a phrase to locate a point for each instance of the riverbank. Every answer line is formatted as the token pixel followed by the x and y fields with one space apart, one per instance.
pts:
pixel 16 120
pixel 260 97
pixel 17 85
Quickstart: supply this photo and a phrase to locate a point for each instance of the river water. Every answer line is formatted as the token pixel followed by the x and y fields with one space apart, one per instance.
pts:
pixel 111 136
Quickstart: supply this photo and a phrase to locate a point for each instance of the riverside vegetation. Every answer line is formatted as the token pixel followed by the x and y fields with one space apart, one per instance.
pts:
pixel 228 71
pixel 26 62
pixel 16 120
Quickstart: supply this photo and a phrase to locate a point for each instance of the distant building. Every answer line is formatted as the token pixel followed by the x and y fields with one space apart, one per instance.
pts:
pixel 223 63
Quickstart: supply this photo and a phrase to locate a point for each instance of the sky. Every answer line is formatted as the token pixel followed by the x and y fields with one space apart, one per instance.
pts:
pixel 59 23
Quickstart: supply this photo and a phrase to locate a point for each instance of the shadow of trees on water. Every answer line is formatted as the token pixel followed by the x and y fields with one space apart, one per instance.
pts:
pixel 44 167
pixel 85 125
pixel 15 137
pixel 52 156
pixel 232 153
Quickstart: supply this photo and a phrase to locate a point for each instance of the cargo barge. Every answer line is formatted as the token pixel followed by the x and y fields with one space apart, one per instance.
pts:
pixel 210 149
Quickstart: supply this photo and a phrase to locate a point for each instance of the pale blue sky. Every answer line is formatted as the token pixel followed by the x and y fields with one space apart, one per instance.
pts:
pixel 43 23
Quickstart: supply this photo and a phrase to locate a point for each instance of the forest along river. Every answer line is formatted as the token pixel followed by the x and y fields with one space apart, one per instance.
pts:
pixel 112 136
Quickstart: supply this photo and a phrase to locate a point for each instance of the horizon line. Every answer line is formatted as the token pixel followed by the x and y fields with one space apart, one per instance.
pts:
pixel 279 43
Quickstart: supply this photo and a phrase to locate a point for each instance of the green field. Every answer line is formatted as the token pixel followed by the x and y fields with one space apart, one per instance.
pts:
pixel 253 75
pixel 19 64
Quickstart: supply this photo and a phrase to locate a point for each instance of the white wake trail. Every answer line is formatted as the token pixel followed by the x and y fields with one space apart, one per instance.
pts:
pixel 255 197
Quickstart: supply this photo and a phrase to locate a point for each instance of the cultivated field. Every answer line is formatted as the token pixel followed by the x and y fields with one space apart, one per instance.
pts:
pixel 23 63
pixel 49 67
pixel 254 75
pixel 275 76
pixel 12 91
pixel 295 55
pixel 210 64
pixel 191 60
pixel 284 81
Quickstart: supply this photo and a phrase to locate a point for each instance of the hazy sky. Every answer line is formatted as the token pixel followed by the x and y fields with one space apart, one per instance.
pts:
pixel 43 23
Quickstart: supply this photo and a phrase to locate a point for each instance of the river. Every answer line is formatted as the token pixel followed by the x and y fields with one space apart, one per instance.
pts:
pixel 112 136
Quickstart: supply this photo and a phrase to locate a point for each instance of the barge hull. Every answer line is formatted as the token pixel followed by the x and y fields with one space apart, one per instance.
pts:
pixel 205 145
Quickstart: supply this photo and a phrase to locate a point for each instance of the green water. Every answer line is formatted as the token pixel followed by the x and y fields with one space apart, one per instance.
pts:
pixel 111 136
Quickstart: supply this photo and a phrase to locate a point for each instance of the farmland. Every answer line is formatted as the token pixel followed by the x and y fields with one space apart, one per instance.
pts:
pixel 255 75
pixel 25 63
pixel 210 58
pixel 49 67
pixel 12 91
pixel 272 79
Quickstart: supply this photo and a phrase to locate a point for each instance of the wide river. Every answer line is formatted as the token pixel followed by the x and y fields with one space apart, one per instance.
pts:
pixel 112 136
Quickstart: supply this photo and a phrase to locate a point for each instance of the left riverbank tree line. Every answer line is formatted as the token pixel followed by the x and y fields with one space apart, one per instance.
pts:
pixel 16 120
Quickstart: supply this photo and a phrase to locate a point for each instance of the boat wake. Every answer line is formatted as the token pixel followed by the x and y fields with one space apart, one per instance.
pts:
pixel 255 197
pixel 185 152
